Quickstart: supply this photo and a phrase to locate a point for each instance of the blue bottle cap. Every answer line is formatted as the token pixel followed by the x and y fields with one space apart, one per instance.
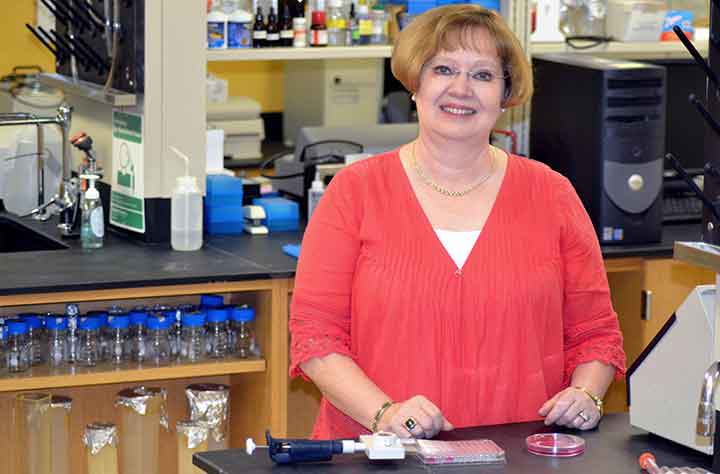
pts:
pixel 243 314
pixel 193 319
pixel 56 323
pixel 157 322
pixel 89 323
pixel 102 315
pixel 138 318
pixel 32 320
pixel 119 321
pixel 211 301
pixel 217 315
pixel 16 327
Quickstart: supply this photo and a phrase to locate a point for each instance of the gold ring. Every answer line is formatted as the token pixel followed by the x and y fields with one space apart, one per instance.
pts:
pixel 582 415
pixel 410 423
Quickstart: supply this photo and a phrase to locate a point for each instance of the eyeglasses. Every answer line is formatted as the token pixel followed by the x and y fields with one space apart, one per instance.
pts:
pixel 479 75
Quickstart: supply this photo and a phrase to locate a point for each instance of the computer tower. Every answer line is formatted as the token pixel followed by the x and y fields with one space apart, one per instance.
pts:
pixel 601 123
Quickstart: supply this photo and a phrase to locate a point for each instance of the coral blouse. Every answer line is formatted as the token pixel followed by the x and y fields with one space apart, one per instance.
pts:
pixel 488 343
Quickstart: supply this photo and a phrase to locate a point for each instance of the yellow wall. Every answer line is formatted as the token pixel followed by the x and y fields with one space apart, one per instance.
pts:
pixel 260 80
pixel 17 45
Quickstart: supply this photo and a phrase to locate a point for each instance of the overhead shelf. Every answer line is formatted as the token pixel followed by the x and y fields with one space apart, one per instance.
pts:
pixel 42 378
pixel 620 50
pixel 89 90
pixel 289 54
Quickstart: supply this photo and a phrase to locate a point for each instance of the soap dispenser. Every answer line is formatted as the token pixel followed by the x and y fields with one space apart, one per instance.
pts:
pixel 92 227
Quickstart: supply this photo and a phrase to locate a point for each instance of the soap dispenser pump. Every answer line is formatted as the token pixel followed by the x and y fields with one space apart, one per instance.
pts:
pixel 92 227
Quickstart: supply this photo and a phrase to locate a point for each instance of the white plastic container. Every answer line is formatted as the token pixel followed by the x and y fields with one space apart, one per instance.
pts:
pixel 239 29
pixel 217 23
pixel 186 215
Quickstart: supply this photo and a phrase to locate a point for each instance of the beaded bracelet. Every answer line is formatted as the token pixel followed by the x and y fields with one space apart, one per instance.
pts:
pixel 380 413
pixel 596 400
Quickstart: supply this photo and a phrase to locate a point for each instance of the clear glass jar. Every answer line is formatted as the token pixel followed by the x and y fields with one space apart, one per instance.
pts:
pixel 103 316
pixel 3 344
pixel 36 337
pixel 175 331
pixel 118 343
pixel 192 347
pixel 138 336
pixel 57 328
pixel 217 333
pixel 88 341
pixel 243 330
pixel 158 346
pixel 18 346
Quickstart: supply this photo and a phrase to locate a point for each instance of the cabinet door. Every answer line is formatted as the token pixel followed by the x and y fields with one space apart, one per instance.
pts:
pixel 668 282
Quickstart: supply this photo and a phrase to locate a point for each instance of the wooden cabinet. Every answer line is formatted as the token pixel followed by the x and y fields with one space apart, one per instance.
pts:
pixel 259 387
pixel 668 282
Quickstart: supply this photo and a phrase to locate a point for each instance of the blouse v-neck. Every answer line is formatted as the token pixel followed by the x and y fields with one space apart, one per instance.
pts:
pixel 429 232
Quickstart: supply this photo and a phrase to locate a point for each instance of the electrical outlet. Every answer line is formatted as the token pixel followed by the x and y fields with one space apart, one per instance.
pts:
pixel 44 17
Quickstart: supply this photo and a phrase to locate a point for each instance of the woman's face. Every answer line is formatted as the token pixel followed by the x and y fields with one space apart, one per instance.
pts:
pixel 460 92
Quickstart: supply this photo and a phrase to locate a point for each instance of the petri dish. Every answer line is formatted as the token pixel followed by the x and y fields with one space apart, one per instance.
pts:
pixel 558 445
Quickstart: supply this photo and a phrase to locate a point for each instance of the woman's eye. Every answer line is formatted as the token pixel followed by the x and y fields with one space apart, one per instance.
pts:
pixel 486 76
pixel 444 70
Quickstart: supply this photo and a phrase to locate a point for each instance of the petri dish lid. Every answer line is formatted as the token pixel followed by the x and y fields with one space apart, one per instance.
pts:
pixel 555 445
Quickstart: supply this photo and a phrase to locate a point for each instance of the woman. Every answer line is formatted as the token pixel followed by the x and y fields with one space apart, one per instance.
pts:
pixel 447 283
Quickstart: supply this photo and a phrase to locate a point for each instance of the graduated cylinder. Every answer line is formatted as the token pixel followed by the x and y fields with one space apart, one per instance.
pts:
pixel 101 448
pixel 60 408
pixel 141 412
pixel 32 433
pixel 192 437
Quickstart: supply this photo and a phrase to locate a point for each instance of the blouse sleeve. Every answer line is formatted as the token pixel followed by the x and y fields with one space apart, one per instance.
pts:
pixel 320 307
pixel 590 325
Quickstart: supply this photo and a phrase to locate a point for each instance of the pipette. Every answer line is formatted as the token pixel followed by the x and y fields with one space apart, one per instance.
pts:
pixel 381 445
pixel 648 463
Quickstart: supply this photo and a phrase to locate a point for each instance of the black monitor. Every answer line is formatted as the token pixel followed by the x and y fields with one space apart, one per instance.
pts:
pixel 685 127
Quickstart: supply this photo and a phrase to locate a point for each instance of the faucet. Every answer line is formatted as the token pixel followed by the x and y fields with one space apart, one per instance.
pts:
pixel 66 202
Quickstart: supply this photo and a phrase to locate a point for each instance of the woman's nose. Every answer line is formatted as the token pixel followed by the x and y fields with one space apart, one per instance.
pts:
pixel 461 83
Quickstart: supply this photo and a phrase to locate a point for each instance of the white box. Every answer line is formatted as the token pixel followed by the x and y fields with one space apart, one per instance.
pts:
pixel 639 20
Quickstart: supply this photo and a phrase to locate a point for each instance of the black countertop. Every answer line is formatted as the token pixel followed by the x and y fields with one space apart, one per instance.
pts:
pixel 124 263
pixel 613 448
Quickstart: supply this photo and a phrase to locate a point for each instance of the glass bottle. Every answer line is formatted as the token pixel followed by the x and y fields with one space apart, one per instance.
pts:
pixel 353 33
pixel 217 336
pixel 259 31
pixel 36 337
pixel 18 346
pixel 57 328
pixel 318 29
pixel 286 27
pixel 118 344
pixel 138 336
pixel 193 348
pixel 379 25
pixel 365 24
pixel 273 30
pixel 336 24
pixel 158 346
pixel 88 341
pixel 211 301
pixel 103 316
pixel 3 345
pixel 243 318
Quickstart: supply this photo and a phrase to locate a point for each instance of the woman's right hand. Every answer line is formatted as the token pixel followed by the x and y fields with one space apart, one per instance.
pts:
pixel 426 419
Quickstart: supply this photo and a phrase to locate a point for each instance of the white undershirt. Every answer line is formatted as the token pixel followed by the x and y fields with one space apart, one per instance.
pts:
pixel 458 244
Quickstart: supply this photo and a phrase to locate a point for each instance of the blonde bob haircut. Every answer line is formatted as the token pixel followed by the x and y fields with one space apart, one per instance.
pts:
pixel 449 28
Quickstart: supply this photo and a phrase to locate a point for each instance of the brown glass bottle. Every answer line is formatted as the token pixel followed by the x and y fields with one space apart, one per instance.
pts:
pixel 273 31
pixel 286 27
pixel 259 33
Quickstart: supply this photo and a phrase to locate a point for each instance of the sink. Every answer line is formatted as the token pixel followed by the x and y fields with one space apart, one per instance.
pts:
pixel 15 237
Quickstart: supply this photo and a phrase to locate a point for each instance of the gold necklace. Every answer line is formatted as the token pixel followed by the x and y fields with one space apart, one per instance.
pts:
pixel 445 191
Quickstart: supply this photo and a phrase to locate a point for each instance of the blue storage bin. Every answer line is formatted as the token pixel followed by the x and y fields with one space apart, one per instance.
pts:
pixel 281 214
pixel 220 185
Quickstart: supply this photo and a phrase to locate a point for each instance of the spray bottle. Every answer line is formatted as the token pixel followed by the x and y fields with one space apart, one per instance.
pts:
pixel 316 191
pixel 92 227
pixel 186 210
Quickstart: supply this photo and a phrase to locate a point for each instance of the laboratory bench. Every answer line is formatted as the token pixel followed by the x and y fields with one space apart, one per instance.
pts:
pixel 252 270
pixel 614 447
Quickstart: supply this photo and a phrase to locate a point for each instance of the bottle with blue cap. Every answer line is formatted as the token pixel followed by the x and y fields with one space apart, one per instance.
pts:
pixel 211 301
pixel 217 337
pixel 192 347
pixel 117 336
pixel 138 336
pixel 36 337
pixel 3 341
pixel 57 328
pixel 158 347
pixel 103 335
pixel 88 341
pixel 18 346
pixel 243 331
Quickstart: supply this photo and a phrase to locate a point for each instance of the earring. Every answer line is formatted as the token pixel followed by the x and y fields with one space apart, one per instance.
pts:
pixel 412 97
pixel 503 109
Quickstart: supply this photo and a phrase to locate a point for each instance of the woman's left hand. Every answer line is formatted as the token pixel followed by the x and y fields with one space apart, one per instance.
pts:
pixel 572 408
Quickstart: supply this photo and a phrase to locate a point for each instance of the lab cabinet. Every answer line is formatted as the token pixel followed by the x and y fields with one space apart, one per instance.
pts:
pixel 259 387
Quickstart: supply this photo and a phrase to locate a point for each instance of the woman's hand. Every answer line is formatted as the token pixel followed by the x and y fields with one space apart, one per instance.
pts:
pixel 416 417
pixel 572 408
